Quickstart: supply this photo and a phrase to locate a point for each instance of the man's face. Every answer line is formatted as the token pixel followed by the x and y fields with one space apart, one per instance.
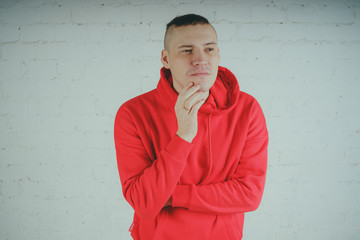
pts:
pixel 192 55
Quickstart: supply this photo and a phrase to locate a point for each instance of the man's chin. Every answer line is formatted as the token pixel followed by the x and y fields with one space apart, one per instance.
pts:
pixel 202 81
pixel 204 88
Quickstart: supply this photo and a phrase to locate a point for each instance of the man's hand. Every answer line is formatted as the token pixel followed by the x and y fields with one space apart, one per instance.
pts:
pixel 186 108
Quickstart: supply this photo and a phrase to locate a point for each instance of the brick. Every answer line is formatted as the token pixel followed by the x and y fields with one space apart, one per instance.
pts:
pixel 345 69
pixel 232 14
pixel 144 3
pixel 93 13
pixel 81 123
pixel 9 32
pixel 37 32
pixel 132 50
pixel 40 72
pixel 137 33
pixel 19 15
pixel 259 50
pixel 13 69
pixel 68 71
pixel 295 32
pixel 21 89
pixel 19 51
pixel 56 12
pixel 320 51
pixel 76 106
pixel 267 12
pixel 225 31
pixel 158 14
pixel 65 50
pixel 106 33
pixel 215 3
pixel 13 106
pixel 197 8
pixel 327 12
pixel 71 33
pixel 157 32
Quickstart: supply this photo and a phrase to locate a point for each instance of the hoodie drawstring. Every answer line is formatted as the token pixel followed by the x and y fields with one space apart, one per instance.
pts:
pixel 210 152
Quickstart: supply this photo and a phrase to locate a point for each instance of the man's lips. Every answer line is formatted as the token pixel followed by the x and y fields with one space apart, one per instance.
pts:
pixel 200 74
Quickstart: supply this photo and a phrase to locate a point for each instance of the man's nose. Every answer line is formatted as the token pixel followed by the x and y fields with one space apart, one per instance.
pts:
pixel 199 59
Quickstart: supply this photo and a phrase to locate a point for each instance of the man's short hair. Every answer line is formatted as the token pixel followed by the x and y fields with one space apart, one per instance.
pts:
pixel 188 19
pixel 184 20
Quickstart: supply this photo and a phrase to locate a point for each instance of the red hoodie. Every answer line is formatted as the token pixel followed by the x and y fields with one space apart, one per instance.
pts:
pixel 212 181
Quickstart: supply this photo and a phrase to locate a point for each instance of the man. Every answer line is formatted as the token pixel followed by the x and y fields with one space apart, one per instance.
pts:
pixel 191 153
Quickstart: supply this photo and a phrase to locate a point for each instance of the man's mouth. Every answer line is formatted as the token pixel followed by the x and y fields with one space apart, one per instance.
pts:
pixel 200 71
pixel 195 74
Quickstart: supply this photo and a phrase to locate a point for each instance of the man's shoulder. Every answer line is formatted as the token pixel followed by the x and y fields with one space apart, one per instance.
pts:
pixel 248 102
pixel 141 101
pixel 246 97
pixel 148 96
pixel 250 106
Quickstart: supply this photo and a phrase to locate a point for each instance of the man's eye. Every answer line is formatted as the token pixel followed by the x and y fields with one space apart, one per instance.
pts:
pixel 211 49
pixel 187 50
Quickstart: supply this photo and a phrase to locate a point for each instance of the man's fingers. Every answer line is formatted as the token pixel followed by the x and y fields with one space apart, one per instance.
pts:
pixel 187 87
pixel 194 110
pixel 187 92
pixel 184 94
pixel 186 115
pixel 188 104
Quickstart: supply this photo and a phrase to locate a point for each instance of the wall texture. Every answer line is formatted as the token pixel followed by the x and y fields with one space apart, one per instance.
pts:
pixel 66 66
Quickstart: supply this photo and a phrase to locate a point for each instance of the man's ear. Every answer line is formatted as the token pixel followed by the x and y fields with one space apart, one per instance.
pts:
pixel 165 58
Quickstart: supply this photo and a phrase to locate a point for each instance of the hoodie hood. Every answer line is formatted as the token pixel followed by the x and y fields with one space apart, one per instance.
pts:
pixel 224 94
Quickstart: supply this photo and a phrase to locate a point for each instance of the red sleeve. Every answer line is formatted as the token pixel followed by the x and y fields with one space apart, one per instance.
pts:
pixel 244 191
pixel 147 185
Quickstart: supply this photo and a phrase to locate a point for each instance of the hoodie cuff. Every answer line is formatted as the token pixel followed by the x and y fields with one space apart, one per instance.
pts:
pixel 182 196
pixel 179 148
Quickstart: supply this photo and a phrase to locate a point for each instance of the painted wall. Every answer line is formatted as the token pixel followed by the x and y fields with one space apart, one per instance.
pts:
pixel 66 66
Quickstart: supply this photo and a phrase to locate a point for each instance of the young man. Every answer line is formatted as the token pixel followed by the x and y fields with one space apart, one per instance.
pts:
pixel 191 153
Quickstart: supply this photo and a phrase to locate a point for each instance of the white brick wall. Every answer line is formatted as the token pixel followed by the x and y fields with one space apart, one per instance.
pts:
pixel 66 66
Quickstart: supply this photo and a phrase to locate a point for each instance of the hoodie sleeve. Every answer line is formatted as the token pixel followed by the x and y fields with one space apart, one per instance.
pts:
pixel 244 191
pixel 147 185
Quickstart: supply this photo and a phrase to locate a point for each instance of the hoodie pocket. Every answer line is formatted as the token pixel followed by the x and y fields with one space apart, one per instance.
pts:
pixel 233 227
pixel 160 225
pixel 133 229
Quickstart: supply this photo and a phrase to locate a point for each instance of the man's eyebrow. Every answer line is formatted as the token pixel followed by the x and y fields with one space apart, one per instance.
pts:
pixel 190 45
pixel 210 43
pixel 185 46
